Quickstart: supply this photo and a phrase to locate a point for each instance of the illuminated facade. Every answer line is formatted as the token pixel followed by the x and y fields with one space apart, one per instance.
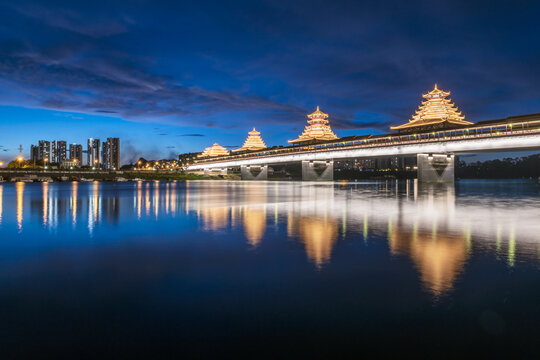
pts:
pixel 213 151
pixel 111 154
pixel 317 130
pixel 435 112
pixel 253 142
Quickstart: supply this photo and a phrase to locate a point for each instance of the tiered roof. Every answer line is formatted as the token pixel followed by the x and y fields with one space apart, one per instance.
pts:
pixel 317 130
pixel 253 142
pixel 213 151
pixel 435 112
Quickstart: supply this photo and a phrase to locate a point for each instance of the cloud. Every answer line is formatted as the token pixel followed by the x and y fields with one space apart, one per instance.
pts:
pixel 88 80
pixel 170 147
pixel 96 26
pixel 137 64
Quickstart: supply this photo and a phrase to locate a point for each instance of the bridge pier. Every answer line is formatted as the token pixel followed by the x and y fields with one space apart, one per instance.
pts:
pixel 318 170
pixel 215 171
pixel 435 168
pixel 254 172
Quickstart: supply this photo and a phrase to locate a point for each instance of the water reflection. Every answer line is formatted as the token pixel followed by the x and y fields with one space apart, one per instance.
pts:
pixel 439 257
pixel 45 212
pixel 317 234
pixel 73 201
pixel 438 229
pixel 19 187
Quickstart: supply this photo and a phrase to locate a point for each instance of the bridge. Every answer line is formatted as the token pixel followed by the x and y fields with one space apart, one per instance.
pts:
pixel 435 134
pixel 435 151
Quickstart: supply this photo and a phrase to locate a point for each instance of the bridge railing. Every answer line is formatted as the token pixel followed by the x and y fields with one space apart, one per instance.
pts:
pixel 492 130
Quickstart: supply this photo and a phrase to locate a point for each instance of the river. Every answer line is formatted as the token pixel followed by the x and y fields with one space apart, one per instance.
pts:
pixel 219 268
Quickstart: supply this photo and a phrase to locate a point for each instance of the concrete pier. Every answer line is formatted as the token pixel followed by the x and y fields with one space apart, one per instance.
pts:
pixel 435 168
pixel 215 171
pixel 318 170
pixel 254 172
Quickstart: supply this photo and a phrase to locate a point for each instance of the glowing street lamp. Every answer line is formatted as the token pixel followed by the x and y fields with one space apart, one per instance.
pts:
pixel 20 160
pixel 1 163
pixel 45 159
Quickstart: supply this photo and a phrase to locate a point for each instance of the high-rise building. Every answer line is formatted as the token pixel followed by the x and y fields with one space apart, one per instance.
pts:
pixel 45 151
pixel 76 153
pixel 59 151
pixel 111 154
pixel 93 153
pixel 34 153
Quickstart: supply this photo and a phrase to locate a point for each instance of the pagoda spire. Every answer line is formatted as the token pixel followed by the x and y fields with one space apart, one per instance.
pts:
pixel 253 142
pixel 435 112
pixel 213 151
pixel 317 130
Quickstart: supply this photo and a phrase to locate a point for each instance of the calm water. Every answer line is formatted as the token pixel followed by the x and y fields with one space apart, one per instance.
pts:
pixel 267 268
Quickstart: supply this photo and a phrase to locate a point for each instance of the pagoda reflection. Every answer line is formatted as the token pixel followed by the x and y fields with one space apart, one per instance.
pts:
pixel 214 218
pixel 254 213
pixel 318 235
pixel 439 256
pixel 254 221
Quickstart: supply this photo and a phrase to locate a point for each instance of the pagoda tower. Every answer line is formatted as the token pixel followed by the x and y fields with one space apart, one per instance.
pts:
pixel 435 112
pixel 253 142
pixel 213 151
pixel 317 130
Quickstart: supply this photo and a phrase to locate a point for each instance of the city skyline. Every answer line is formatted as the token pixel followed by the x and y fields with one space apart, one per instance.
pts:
pixel 102 155
pixel 137 76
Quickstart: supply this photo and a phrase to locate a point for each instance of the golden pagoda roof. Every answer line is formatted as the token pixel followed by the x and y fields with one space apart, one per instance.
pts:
pixel 435 111
pixel 318 128
pixel 317 113
pixel 214 150
pixel 253 142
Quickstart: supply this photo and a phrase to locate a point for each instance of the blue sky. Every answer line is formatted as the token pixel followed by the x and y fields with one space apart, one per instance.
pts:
pixel 173 77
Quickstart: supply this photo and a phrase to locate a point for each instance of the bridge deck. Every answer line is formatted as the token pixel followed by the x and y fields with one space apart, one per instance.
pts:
pixel 498 137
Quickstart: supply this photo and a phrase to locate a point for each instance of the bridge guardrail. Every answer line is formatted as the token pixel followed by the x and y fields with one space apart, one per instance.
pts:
pixel 496 130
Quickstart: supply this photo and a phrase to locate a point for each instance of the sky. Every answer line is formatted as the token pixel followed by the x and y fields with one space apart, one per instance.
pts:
pixel 169 77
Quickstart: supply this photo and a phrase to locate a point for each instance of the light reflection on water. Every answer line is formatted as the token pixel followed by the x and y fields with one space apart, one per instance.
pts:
pixel 438 230
pixel 313 266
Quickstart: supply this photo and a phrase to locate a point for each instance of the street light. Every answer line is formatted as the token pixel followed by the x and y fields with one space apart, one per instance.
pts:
pixel 20 160
pixel 45 159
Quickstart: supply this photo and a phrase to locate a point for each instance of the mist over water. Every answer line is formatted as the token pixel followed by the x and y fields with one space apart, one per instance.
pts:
pixel 306 268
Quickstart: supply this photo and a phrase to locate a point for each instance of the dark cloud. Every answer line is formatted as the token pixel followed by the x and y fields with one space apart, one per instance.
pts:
pixel 75 21
pixel 269 63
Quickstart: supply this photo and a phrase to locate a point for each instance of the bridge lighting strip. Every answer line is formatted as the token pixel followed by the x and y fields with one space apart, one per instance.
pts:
pixel 463 146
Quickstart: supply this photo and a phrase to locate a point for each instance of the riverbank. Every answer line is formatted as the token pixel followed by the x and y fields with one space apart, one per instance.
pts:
pixel 10 175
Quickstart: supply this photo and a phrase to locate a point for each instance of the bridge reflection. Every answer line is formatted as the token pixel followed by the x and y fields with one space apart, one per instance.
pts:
pixel 439 257
pixel 425 223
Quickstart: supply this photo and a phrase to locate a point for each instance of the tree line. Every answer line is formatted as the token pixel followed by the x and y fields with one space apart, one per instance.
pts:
pixel 507 168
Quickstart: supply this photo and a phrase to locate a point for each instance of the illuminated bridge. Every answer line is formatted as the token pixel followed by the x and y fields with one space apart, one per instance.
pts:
pixel 436 132
pixel 434 150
